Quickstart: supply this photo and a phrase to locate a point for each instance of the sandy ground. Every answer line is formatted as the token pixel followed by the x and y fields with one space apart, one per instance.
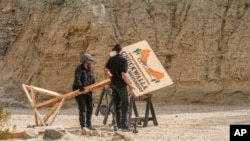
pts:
pixel 176 123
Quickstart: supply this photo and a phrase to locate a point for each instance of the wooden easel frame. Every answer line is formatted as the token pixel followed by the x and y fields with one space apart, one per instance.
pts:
pixel 132 107
pixel 57 101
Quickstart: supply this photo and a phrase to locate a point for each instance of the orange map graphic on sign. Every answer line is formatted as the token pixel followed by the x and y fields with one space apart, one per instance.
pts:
pixel 144 58
pixel 145 55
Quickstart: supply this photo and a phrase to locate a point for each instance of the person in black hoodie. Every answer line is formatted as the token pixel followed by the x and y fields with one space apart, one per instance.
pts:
pixel 84 77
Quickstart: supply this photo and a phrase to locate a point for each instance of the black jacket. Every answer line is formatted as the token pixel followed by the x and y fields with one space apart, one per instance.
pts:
pixel 83 77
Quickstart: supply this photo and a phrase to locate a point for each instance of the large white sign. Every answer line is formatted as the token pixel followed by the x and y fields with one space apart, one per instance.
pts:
pixel 145 71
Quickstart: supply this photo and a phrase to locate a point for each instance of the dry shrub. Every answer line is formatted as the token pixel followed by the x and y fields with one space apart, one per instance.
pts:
pixel 4 117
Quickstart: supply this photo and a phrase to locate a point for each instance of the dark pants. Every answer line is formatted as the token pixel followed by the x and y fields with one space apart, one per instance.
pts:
pixel 121 105
pixel 85 106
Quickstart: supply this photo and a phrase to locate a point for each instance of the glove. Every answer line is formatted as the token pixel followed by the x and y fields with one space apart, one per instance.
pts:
pixel 81 89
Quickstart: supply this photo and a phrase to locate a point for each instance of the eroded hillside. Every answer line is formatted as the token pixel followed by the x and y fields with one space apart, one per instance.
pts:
pixel 204 45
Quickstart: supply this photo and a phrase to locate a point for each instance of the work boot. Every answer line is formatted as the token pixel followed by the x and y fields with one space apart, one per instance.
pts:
pixel 125 129
pixel 85 131
pixel 91 128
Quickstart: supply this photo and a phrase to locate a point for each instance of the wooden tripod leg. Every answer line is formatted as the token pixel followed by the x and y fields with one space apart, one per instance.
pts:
pixel 47 116
pixel 153 113
pixel 100 102
pixel 39 117
pixel 111 102
pixel 131 104
pixel 57 111
pixel 27 94
pixel 34 104
pixel 148 103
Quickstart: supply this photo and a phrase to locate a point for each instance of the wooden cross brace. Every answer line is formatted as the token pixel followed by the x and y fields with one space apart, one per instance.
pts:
pixel 57 101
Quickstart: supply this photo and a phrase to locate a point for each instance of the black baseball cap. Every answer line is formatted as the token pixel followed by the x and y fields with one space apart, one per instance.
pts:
pixel 117 48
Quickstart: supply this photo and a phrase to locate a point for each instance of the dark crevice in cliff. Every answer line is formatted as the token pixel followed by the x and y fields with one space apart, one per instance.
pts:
pixel 235 24
pixel 150 11
pixel 134 24
pixel 10 28
pixel 113 17
pixel 178 31
pixel 187 8
pixel 135 27
pixel 169 43
pixel 114 22
pixel 177 25
pixel 205 53
pixel 221 42
pixel 240 15
pixel 237 19
pixel 88 38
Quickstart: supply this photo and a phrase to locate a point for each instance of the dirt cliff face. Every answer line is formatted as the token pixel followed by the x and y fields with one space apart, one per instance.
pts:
pixel 204 45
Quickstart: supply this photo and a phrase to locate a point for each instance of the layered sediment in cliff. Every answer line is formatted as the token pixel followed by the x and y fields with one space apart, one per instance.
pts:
pixel 203 45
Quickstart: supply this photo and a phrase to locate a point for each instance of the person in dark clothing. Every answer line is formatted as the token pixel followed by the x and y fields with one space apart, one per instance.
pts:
pixel 84 77
pixel 116 68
